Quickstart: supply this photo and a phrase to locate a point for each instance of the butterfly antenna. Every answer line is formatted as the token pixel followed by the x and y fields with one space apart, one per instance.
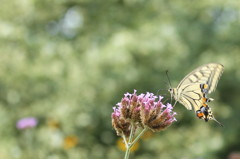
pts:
pixel 169 83
pixel 174 103
pixel 166 82
pixel 217 122
pixel 161 90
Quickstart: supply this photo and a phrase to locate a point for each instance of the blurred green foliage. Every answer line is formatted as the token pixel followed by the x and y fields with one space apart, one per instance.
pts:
pixel 68 62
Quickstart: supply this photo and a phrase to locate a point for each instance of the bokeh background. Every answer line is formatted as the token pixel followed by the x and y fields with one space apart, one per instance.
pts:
pixel 68 62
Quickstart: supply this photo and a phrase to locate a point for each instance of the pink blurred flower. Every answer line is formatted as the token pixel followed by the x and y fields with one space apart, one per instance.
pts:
pixel 234 155
pixel 24 123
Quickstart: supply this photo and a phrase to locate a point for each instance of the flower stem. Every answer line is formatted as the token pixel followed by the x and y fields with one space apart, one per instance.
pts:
pixel 127 153
pixel 130 143
pixel 139 135
pixel 124 139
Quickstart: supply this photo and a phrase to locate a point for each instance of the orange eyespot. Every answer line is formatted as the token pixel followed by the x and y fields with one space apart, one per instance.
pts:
pixel 205 86
pixel 204 100
pixel 200 115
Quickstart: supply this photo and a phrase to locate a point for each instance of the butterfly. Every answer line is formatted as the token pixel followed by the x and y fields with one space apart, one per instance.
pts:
pixel 192 91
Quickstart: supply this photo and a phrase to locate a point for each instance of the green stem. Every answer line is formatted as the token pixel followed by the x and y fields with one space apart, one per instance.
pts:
pixel 136 139
pixel 127 153
pixel 130 143
pixel 131 133
pixel 125 140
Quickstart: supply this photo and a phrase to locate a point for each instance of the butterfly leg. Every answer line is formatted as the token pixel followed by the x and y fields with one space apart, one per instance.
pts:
pixel 174 103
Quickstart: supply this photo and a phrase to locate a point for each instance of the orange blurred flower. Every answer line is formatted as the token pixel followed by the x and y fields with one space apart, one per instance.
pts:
pixel 70 141
pixel 147 135
pixel 121 145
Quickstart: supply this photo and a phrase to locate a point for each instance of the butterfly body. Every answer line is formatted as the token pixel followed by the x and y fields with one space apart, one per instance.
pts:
pixel 192 91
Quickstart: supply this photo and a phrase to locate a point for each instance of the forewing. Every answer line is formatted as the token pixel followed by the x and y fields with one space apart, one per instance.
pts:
pixel 206 74
pixel 191 96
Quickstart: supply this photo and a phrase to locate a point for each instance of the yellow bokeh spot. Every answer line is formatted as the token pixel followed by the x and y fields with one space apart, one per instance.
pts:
pixel 52 123
pixel 70 142
pixel 121 145
pixel 147 135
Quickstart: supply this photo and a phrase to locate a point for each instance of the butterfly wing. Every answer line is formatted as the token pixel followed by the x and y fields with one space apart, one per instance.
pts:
pixel 205 74
pixel 191 96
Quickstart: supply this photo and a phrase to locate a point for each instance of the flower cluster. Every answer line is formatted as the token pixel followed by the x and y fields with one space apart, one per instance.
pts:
pixel 144 110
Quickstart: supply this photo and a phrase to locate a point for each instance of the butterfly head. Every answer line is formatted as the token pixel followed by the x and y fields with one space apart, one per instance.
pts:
pixel 170 90
pixel 173 92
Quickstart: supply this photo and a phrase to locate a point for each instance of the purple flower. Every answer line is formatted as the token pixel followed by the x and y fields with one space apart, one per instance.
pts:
pixel 144 110
pixel 25 123
pixel 158 117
